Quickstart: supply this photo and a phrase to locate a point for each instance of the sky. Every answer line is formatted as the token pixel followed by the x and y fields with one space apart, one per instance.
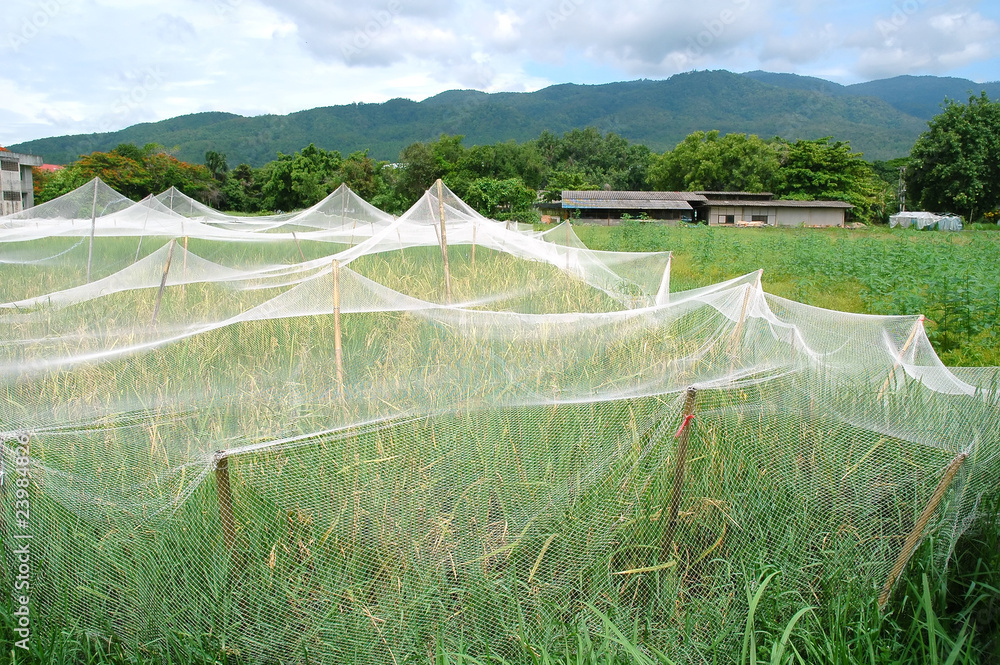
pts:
pixel 82 66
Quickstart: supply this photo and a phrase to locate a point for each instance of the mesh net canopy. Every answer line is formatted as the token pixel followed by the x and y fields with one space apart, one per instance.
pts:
pixel 340 434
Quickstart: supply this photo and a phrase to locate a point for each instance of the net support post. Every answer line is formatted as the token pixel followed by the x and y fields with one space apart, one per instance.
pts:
pixel 902 352
pixel 184 270
pixel 93 228
pixel 683 436
pixel 917 532
pixel 444 240
pixel 163 279
pixel 338 349
pixel 568 229
pixel 225 497
pixel 301 255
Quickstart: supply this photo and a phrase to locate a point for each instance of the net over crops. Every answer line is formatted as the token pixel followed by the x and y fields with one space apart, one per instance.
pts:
pixel 352 437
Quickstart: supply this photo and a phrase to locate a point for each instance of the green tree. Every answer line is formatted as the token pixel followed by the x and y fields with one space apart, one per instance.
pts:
pixel 607 160
pixel 706 161
pixel 300 180
pixel 560 181
pixel 954 164
pixel 362 174
pixel 508 199
pixel 242 190
pixel 135 172
pixel 820 170
pixel 215 162
pixel 502 161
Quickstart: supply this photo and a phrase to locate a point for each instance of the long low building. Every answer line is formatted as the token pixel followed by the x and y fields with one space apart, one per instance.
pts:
pixel 777 213
pixel 714 208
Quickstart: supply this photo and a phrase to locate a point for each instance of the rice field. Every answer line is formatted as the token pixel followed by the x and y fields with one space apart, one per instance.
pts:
pixel 257 470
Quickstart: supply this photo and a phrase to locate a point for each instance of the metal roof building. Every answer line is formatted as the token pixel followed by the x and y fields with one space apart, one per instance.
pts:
pixel 715 208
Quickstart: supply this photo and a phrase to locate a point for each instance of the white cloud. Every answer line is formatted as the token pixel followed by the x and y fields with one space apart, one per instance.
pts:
pixel 925 40
pixel 82 65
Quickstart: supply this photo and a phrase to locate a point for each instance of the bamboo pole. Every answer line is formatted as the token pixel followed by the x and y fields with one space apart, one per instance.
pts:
pixel 738 330
pixel 918 529
pixel 444 241
pixel 663 293
pixel 567 244
pixel 93 227
pixel 295 238
pixel 225 501
pixel 337 346
pixel 184 270
pixel 683 435
pixel 163 279
pixel 144 221
pixel 902 352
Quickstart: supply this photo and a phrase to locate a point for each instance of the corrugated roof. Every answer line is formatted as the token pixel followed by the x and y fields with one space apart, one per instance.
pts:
pixel 630 195
pixel 629 200
pixel 732 194
pixel 744 203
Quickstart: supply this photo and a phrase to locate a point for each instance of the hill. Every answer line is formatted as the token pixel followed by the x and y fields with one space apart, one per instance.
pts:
pixel 880 118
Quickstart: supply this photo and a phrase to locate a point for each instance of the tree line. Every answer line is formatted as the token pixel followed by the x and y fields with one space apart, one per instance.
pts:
pixel 952 167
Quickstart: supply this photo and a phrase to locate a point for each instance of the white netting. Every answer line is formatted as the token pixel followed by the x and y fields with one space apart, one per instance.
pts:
pixel 356 437
pixel 925 220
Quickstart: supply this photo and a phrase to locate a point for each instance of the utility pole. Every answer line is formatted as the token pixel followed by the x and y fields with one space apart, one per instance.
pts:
pixel 902 189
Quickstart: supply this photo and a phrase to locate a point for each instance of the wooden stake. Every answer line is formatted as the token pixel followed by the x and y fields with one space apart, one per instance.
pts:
pixel 163 279
pixel 303 256
pixel 93 226
pixel 918 529
pixel 225 501
pixel 902 352
pixel 337 348
pixel 683 434
pixel 474 225
pixel 444 241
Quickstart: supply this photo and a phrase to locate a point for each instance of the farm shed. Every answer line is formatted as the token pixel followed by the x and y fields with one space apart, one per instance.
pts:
pixel 777 213
pixel 18 192
pixel 609 205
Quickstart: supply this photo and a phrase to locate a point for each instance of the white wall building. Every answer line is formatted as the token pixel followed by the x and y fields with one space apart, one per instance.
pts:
pixel 16 182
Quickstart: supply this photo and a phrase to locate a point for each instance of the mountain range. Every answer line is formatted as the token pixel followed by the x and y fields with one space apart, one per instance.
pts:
pixel 881 119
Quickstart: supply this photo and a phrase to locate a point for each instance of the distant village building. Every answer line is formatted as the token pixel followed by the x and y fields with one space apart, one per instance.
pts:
pixel 16 182
pixel 714 208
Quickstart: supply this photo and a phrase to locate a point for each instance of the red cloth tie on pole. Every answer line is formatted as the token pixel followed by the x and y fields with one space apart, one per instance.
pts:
pixel 684 424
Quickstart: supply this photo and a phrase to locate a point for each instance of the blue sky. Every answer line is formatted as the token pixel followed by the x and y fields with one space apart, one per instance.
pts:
pixel 80 66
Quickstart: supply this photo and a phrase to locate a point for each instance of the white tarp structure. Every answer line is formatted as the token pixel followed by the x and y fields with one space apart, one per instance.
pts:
pixel 351 436
pixel 926 220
